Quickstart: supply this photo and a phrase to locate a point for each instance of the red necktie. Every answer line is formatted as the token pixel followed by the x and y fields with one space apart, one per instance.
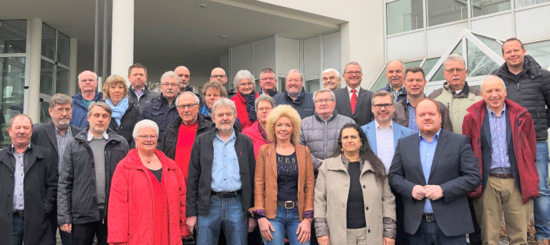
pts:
pixel 353 101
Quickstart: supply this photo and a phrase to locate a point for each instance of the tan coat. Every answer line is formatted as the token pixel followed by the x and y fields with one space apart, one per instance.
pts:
pixel 331 197
pixel 265 180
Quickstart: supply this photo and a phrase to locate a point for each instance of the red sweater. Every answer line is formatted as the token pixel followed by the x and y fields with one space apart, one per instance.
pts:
pixel 186 138
pixel 242 114
pixel 132 197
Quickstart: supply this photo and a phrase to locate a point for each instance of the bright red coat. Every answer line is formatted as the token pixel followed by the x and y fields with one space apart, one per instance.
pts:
pixel 242 114
pixel 523 138
pixel 131 201
pixel 254 134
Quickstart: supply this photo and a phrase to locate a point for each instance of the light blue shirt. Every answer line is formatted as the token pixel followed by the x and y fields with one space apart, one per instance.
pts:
pixel 427 152
pixel 225 167
pixel 19 179
pixel 412 118
pixel 500 162
pixel 138 93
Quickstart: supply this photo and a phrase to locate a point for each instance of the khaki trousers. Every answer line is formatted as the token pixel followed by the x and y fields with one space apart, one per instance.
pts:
pixel 357 236
pixel 502 196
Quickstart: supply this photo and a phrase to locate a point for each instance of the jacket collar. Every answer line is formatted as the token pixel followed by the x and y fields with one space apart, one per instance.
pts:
pixel 463 94
pixel 319 118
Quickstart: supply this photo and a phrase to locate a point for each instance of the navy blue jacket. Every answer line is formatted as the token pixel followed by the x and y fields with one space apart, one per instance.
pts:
pixel 303 103
pixel 80 112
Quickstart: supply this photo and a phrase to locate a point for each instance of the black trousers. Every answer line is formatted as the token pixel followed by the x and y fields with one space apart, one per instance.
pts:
pixel 83 234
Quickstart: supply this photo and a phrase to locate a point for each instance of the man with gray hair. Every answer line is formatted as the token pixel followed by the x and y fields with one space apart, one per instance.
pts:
pixel 296 95
pixel 394 74
pixel 320 131
pixel 87 83
pixel 88 164
pixel 181 133
pixel 162 109
pixel 352 100
pixel 55 134
pixel 221 180
pixel 268 82
pixel 455 93
pixel 331 79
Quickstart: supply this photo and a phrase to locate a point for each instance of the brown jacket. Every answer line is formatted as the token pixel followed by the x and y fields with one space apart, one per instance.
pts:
pixel 265 180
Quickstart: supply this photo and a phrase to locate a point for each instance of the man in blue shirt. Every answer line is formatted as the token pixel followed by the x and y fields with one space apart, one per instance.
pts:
pixel 220 185
pixel 434 194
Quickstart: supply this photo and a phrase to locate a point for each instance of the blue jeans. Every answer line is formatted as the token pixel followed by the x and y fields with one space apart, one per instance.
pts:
pixel 227 212
pixel 429 233
pixel 285 220
pixel 542 202
pixel 18 230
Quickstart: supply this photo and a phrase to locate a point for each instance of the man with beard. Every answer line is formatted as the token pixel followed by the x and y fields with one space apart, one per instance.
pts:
pixel 296 95
pixel 433 171
pixel 55 134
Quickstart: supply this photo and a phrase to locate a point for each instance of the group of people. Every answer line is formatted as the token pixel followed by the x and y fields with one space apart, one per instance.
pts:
pixel 337 166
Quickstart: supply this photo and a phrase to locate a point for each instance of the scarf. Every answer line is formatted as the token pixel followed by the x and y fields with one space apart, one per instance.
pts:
pixel 118 110
pixel 250 99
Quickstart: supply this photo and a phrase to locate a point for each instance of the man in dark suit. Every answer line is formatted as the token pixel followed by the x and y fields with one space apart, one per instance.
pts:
pixel 55 134
pixel 354 101
pixel 433 171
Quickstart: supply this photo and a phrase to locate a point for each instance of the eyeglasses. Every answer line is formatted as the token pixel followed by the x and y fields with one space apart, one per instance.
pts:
pixel 265 109
pixel 188 106
pixel 61 110
pixel 246 84
pixel 267 79
pixel 218 76
pixel 324 101
pixel 148 137
pixel 458 70
pixel 169 84
pixel 379 106
pixel 353 73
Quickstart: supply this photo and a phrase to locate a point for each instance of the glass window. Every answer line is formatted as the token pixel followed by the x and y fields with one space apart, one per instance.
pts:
pixel 13 36
pixel 429 64
pixel 12 81
pixel 444 11
pixel 63 48
pixel 540 51
pixel 483 7
pixel 313 85
pixel 380 82
pixel 48 41
pixel 525 3
pixel 412 63
pixel 46 78
pixel 438 76
pixel 479 64
pixel 62 80
pixel 491 43
pixel 404 15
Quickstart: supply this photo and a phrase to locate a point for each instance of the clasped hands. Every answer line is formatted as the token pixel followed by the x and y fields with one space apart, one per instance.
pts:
pixel 432 192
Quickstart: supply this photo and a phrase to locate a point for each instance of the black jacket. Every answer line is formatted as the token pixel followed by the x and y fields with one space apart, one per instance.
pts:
pixel 531 89
pixel 127 123
pixel 77 194
pixel 160 112
pixel 170 140
pixel 43 134
pixel 200 172
pixel 147 96
pixel 40 186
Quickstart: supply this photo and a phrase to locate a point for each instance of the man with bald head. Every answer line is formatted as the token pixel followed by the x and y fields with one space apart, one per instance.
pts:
pixel 218 74
pixel 433 170
pixel 502 134
pixel 394 73
pixel 87 83
pixel 138 92
pixel 185 75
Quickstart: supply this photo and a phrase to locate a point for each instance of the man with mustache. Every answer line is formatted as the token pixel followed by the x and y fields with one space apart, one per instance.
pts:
pixel 162 109
pixel 55 134
pixel 85 174
pixel 433 171
pixel 220 181
pixel 405 110
pixel 354 101
pixel 296 95
pixel 394 73
pixel 455 93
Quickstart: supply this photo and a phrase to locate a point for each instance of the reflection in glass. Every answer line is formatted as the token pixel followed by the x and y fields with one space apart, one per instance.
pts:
pixel 525 3
pixel 46 78
pixel 444 11
pixel 48 41
pixel 313 85
pixel 491 43
pixel 12 81
pixel 479 64
pixel 404 15
pixel 13 36
pixel 483 7
pixel 540 51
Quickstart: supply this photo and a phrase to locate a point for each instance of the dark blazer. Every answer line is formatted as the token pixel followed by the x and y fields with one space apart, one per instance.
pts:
pixel 40 186
pixel 454 168
pixel 43 134
pixel 362 114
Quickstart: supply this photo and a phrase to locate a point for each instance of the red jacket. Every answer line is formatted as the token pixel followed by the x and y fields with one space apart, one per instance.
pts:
pixel 523 138
pixel 242 114
pixel 131 201
pixel 254 134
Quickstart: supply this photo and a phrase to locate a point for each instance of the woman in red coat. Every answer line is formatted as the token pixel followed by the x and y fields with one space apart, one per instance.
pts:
pixel 244 100
pixel 264 104
pixel 147 198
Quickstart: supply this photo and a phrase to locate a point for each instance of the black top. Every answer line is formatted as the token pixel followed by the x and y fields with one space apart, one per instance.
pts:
pixel 356 208
pixel 287 177
pixel 157 173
